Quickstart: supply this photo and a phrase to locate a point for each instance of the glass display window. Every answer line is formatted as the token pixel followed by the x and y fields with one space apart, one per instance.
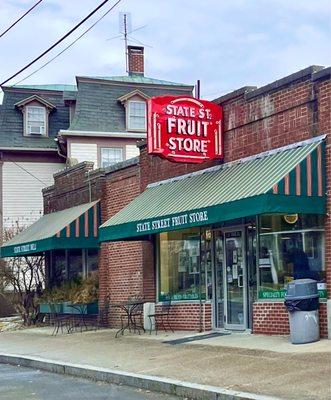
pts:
pixel 75 264
pixel 290 248
pixel 59 270
pixel 92 260
pixel 179 265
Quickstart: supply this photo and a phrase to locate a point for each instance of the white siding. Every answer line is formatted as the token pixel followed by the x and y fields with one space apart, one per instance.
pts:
pixel 84 152
pixel 131 151
pixel 22 199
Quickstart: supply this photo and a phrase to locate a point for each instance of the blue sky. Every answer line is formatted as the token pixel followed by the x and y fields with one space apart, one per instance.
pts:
pixel 225 44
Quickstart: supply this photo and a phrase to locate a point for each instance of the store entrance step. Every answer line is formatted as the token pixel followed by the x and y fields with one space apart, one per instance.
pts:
pixel 196 337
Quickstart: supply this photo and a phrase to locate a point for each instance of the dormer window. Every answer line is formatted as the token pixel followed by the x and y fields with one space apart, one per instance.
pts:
pixel 137 115
pixel 35 110
pixel 35 120
pixel 135 104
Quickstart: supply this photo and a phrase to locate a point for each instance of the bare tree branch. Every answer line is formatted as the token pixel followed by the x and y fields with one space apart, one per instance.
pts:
pixel 25 276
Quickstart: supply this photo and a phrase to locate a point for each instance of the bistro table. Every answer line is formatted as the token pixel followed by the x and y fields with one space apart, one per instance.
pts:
pixel 78 317
pixel 130 308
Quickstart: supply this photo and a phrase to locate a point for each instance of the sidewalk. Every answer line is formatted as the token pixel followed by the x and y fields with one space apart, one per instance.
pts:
pixel 257 364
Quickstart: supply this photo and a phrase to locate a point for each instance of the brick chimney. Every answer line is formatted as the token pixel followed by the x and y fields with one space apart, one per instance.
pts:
pixel 136 60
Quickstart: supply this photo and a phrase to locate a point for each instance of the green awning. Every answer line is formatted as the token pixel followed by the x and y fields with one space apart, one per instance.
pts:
pixel 75 227
pixel 285 180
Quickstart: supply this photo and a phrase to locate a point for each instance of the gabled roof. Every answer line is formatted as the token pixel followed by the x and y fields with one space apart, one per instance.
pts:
pixel 137 78
pixel 37 98
pixel 128 96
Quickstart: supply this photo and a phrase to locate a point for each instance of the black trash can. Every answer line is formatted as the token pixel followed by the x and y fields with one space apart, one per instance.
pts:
pixel 302 302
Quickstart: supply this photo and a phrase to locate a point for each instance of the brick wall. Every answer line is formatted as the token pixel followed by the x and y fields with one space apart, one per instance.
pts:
pixel 73 186
pixel 324 126
pixel 272 318
pixel 120 264
pixel 189 316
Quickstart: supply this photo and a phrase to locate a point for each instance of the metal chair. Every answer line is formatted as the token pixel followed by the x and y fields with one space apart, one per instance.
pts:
pixel 137 317
pixel 100 319
pixel 58 320
pixel 161 317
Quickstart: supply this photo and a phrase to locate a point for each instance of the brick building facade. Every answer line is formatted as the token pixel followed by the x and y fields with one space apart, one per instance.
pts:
pixel 293 109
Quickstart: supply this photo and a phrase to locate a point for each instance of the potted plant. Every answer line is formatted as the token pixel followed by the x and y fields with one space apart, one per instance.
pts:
pixel 76 292
pixel 87 294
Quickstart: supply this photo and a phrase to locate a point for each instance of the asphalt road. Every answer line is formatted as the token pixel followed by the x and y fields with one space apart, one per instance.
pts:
pixel 18 383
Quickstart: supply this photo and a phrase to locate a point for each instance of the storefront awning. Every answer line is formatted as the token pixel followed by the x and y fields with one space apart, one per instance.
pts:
pixel 75 227
pixel 286 180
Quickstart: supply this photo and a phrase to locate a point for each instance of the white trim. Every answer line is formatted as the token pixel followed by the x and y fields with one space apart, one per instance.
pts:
pixel 25 111
pixel 129 135
pixel 128 111
pixel 241 161
pixel 128 96
pixel 41 149
pixel 25 102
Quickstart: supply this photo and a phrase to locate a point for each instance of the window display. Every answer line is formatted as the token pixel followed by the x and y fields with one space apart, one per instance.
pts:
pixel 290 248
pixel 92 260
pixel 75 264
pixel 59 270
pixel 179 265
pixel 72 264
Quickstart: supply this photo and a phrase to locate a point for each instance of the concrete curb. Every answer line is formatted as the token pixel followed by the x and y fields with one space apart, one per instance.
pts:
pixel 147 382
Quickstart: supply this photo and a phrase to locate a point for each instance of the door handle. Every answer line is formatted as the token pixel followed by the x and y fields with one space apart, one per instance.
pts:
pixel 240 281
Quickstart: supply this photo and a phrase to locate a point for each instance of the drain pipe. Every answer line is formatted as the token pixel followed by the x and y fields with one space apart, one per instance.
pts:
pixel 59 150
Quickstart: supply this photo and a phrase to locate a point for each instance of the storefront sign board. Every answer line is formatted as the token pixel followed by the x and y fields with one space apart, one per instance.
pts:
pixel 185 129
pixel 25 248
pixel 169 223
pixel 269 294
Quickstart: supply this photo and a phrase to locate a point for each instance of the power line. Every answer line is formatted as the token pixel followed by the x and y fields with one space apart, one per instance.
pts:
pixel 12 25
pixel 30 173
pixel 56 43
pixel 71 44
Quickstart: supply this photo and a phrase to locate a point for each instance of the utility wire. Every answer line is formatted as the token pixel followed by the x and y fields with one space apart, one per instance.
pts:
pixel 71 44
pixel 56 43
pixel 18 20
pixel 30 173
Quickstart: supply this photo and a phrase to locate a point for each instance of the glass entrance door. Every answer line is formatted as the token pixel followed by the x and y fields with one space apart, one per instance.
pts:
pixel 218 290
pixel 234 278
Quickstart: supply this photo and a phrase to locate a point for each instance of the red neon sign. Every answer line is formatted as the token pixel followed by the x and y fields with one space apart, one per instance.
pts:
pixel 184 129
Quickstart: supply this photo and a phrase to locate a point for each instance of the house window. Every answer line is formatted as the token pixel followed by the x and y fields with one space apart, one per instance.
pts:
pixel 35 120
pixel 137 115
pixel 110 156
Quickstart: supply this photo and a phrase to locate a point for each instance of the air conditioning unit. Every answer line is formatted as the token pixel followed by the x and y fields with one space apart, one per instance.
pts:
pixel 35 130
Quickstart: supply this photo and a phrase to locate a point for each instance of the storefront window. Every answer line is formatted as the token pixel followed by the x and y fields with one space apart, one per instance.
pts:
pixel 92 260
pixel 179 265
pixel 59 272
pixel 75 264
pixel 291 247
pixel 206 264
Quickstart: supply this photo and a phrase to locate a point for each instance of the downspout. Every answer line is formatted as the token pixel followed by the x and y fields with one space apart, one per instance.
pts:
pixel 59 149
